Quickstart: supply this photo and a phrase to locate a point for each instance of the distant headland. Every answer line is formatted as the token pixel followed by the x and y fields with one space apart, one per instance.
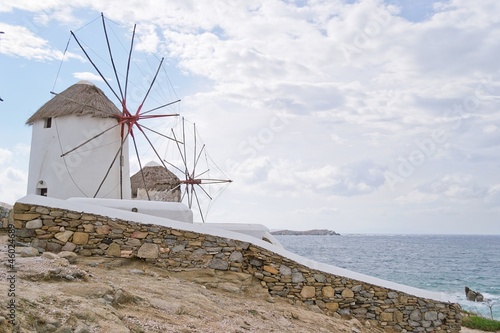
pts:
pixel 314 232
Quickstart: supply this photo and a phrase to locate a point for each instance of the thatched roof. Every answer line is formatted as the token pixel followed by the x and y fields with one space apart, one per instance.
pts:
pixel 157 179
pixel 82 98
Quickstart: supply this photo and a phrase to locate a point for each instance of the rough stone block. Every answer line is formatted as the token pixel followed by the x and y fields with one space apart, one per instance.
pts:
pixel 25 233
pixel 39 244
pixel 320 278
pixel 236 257
pixel 176 233
pixel 218 264
pixel 85 252
pixel 416 315
pixel 26 216
pixel 46 236
pixel 64 236
pixel 392 294
pixel 88 228
pixel 285 271
pixel 133 242
pixel 431 315
pixel 103 230
pixel 386 317
pixel 328 292
pixel 56 213
pixel 297 278
pixel 332 306
pixel 42 210
pixel 178 248
pixel 148 251
pixel 53 247
pixel 80 238
pixel 114 250
pixel 271 270
pixel 68 255
pixel 139 234
pixel 68 247
pixel 308 292
pixel 357 288
pixel 17 224
pixel 74 223
pixel 27 251
pixel 103 246
pixel 34 224
pixel 74 216
pixel 398 316
pixel 347 293
pixel 191 235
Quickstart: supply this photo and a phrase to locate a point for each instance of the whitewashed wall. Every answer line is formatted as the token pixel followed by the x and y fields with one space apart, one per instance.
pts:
pixel 79 173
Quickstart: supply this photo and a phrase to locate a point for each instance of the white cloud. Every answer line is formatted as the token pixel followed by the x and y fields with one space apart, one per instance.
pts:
pixel 22 149
pixel 347 180
pixel 294 178
pixel 18 41
pixel 314 212
pixel 12 184
pixel 148 39
pixel 27 5
pixel 451 188
pixel 493 197
pixel 87 76
pixel 348 118
pixel 5 155
pixel 490 129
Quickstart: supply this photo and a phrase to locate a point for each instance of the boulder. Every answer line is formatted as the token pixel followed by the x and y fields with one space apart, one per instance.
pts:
pixel 68 255
pixel 473 296
pixel 27 251
pixel 4 210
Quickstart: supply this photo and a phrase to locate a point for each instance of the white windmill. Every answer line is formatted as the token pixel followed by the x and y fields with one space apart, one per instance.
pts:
pixel 80 138
pixel 79 114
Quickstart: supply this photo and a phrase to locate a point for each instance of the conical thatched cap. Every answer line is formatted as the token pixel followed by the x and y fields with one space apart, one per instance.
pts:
pixel 157 179
pixel 83 98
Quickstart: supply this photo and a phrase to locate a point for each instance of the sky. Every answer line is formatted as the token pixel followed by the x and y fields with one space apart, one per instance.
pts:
pixel 364 116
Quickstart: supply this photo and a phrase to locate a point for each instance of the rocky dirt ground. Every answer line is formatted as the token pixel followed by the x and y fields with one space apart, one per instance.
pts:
pixel 88 294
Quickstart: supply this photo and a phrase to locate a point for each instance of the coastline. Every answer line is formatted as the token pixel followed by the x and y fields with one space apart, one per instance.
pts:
pixel 312 232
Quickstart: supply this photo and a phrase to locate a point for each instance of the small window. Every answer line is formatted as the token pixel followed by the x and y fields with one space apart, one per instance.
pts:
pixel 43 192
pixel 48 123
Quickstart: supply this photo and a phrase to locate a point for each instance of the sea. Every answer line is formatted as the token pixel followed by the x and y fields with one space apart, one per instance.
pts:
pixel 441 263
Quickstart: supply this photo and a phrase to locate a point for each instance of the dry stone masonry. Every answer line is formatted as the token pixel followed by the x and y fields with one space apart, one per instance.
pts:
pixel 55 230
pixel 5 215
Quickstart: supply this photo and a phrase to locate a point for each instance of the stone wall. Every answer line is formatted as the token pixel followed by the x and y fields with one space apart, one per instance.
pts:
pixel 51 229
pixel 5 215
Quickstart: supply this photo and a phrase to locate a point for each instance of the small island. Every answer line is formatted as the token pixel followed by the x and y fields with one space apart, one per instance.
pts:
pixel 314 232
